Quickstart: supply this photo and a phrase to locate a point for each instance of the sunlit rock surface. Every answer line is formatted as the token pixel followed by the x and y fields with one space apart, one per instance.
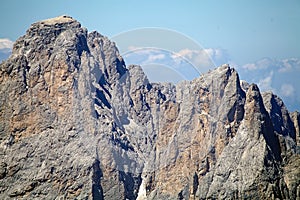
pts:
pixel 77 123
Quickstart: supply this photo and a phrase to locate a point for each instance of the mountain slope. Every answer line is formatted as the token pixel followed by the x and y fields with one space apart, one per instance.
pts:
pixel 75 122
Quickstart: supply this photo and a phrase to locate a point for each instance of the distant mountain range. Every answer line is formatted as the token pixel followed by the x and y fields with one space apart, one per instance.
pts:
pixel 4 54
pixel 77 123
pixel 5 48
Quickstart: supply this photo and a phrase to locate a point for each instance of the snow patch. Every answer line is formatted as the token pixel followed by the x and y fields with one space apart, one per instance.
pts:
pixel 142 195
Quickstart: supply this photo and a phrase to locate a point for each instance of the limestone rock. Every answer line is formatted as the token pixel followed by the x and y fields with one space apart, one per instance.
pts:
pixel 76 123
pixel 296 120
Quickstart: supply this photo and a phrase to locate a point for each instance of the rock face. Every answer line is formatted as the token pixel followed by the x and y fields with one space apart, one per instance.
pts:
pixel 76 123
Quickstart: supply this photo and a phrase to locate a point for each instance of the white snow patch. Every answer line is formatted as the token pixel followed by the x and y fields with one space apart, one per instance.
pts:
pixel 142 195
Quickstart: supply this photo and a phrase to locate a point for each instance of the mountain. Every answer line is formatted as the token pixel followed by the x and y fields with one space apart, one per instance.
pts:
pixel 77 123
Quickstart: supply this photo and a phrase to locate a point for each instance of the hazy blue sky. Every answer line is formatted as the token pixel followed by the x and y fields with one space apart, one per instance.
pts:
pixel 250 32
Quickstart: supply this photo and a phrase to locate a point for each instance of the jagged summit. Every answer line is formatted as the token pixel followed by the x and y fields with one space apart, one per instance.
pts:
pixel 50 35
pixel 58 20
pixel 76 123
pixel 61 22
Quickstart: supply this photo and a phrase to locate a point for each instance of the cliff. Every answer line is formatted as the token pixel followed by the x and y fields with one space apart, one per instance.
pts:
pixel 77 123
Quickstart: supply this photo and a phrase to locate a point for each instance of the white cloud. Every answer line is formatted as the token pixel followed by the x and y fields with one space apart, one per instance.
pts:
pixel 250 66
pixel 281 76
pixel 288 65
pixel 285 65
pixel 192 56
pixel 287 90
pixel 204 58
pixel 6 43
pixel 186 62
pixel 262 64
pixel 144 51
pixel 145 55
pixel 155 58
pixel 265 84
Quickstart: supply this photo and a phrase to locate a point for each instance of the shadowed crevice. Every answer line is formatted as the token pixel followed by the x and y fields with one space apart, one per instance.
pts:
pixel 97 190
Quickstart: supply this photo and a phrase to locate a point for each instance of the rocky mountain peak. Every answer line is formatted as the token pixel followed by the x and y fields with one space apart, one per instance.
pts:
pixel 76 123
pixel 279 114
pixel 64 19
pixel 46 32
pixel 254 102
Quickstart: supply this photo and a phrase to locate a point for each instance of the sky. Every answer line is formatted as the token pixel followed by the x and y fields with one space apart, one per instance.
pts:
pixel 259 38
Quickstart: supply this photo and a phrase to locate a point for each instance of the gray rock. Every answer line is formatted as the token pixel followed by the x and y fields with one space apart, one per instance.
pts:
pixel 296 120
pixel 76 123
